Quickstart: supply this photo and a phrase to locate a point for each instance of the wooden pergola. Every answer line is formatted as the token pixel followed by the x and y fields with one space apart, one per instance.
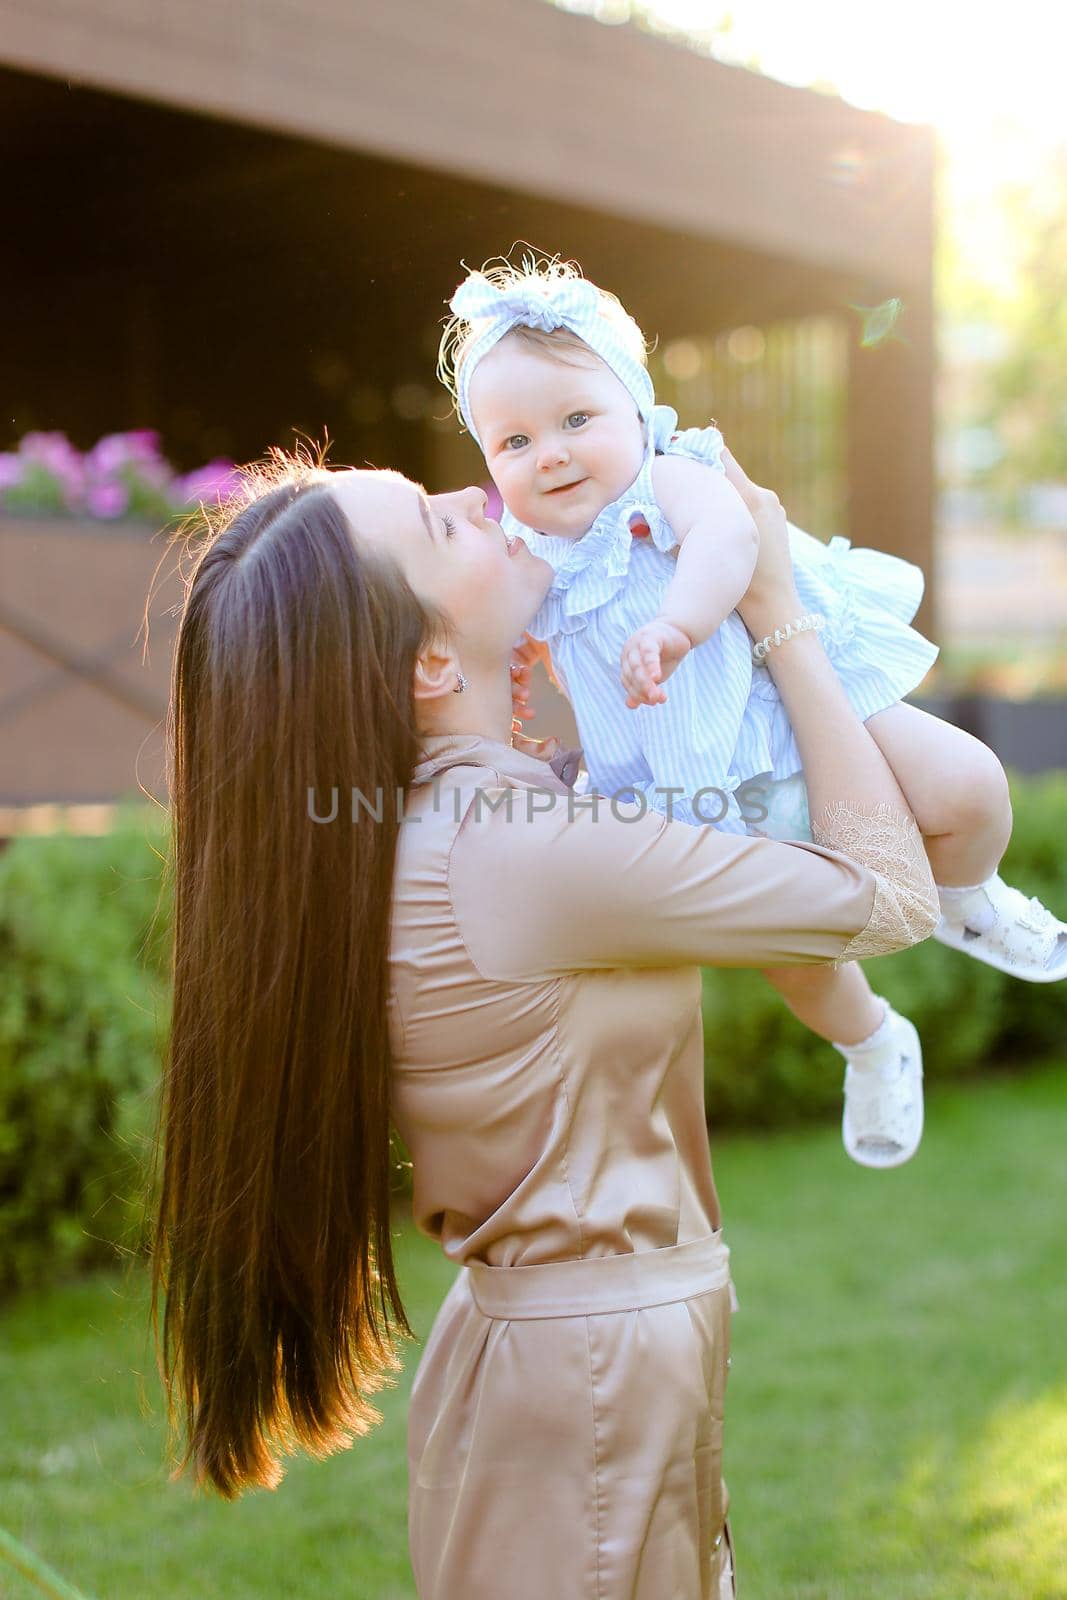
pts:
pixel 230 221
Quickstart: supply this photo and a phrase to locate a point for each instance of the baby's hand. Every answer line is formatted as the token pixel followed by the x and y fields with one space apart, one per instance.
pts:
pixel 648 657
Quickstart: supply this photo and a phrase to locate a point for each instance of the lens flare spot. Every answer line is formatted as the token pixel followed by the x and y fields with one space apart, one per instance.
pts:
pixel 747 344
pixel 878 322
pixel 682 359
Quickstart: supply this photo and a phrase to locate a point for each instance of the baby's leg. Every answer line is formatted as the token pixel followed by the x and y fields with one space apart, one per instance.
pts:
pixel 882 1121
pixel 956 788
pixel 958 793
pixel 836 1003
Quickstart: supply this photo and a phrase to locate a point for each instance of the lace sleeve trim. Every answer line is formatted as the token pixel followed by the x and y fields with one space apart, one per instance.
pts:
pixel 906 908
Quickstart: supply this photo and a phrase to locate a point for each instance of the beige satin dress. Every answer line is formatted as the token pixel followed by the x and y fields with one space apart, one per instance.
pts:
pixel 565 1427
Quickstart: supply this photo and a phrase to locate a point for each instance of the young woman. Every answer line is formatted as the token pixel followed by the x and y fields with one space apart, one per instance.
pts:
pixel 383 911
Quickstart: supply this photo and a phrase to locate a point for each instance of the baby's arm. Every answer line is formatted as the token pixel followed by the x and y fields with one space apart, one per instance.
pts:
pixel 717 557
pixel 718 539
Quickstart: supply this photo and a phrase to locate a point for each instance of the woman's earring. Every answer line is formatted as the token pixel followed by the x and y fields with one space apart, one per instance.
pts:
pixel 461 685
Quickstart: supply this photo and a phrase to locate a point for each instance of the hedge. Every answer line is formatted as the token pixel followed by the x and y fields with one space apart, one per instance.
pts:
pixel 84 1010
pixel 83 1013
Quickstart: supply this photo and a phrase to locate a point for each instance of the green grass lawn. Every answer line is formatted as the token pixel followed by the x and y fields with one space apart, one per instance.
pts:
pixel 897 1420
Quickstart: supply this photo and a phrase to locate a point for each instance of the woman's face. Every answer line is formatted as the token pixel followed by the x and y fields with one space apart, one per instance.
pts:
pixel 454 557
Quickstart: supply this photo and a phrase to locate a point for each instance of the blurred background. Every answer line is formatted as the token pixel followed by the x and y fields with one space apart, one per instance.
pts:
pixel 234 226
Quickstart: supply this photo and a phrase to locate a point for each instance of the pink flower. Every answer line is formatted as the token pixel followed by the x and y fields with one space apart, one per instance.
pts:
pixel 143 443
pixel 55 453
pixel 211 483
pixel 107 499
pixel 139 449
pixel 123 474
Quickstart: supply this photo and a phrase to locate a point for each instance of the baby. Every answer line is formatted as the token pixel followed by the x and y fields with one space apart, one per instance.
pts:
pixel 652 548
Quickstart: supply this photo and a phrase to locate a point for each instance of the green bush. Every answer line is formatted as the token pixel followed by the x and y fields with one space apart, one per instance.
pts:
pixel 83 999
pixel 762 1066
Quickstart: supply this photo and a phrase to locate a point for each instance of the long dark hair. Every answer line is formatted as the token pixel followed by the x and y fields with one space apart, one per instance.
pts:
pixel 292 675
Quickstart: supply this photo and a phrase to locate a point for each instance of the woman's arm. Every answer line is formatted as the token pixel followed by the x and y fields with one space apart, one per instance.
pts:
pixel 854 800
pixel 563 882
pixel 842 763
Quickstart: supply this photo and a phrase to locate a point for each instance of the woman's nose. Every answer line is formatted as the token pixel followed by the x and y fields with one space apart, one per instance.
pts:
pixel 471 501
pixel 474 500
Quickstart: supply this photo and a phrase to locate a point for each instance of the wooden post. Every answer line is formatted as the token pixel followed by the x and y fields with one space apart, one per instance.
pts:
pixel 890 446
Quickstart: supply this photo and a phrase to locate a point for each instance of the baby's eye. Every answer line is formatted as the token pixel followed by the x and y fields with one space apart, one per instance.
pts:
pixel 578 417
pixel 450 525
pixel 522 437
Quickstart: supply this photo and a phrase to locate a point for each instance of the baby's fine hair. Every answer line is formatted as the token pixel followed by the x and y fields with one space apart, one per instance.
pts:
pixel 536 272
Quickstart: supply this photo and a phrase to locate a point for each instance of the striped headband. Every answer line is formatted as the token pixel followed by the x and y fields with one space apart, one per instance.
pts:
pixel 572 303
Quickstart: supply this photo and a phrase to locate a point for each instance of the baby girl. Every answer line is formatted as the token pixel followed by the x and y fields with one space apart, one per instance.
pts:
pixel 652 548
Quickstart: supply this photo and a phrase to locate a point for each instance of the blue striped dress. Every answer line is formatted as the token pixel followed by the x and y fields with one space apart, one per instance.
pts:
pixel 723 729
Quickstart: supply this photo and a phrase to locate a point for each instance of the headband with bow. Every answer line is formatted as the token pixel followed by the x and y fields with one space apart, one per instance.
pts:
pixel 572 303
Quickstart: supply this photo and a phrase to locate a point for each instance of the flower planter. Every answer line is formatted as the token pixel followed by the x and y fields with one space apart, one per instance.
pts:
pixel 82 697
pixel 83 706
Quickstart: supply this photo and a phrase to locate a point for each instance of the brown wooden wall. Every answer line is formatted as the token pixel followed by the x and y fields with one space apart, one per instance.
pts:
pixel 87 627
pixel 83 691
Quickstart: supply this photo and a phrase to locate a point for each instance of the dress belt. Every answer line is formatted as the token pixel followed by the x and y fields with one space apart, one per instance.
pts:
pixel 598 1284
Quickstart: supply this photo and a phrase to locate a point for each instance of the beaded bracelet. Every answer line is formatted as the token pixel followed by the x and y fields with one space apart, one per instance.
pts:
pixel 811 621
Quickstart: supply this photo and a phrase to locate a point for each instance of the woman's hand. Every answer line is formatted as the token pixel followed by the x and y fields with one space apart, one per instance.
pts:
pixel 771 599
pixel 524 657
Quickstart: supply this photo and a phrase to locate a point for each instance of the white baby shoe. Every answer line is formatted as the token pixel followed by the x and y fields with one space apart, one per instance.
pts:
pixel 882 1122
pixel 997 924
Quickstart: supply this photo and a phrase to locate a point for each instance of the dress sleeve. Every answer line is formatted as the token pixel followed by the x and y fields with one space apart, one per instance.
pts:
pixel 906 904
pixel 582 884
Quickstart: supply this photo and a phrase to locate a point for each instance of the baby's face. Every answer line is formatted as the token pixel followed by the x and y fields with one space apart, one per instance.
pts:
pixel 561 441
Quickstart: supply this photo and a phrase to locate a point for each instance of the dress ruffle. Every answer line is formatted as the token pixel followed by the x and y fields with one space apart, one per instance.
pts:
pixel 868 598
pixel 700 444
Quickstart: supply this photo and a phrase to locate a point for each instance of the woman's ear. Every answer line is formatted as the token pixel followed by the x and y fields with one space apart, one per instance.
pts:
pixel 436 671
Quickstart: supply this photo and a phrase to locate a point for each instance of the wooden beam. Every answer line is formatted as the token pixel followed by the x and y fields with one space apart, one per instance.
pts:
pixel 526 96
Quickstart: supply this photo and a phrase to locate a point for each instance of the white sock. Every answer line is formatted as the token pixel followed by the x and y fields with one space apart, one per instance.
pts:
pixel 952 894
pixel 956 900
pixel 873 1042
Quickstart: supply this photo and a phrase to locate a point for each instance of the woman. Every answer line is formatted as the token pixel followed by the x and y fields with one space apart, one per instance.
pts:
pixel 383 909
